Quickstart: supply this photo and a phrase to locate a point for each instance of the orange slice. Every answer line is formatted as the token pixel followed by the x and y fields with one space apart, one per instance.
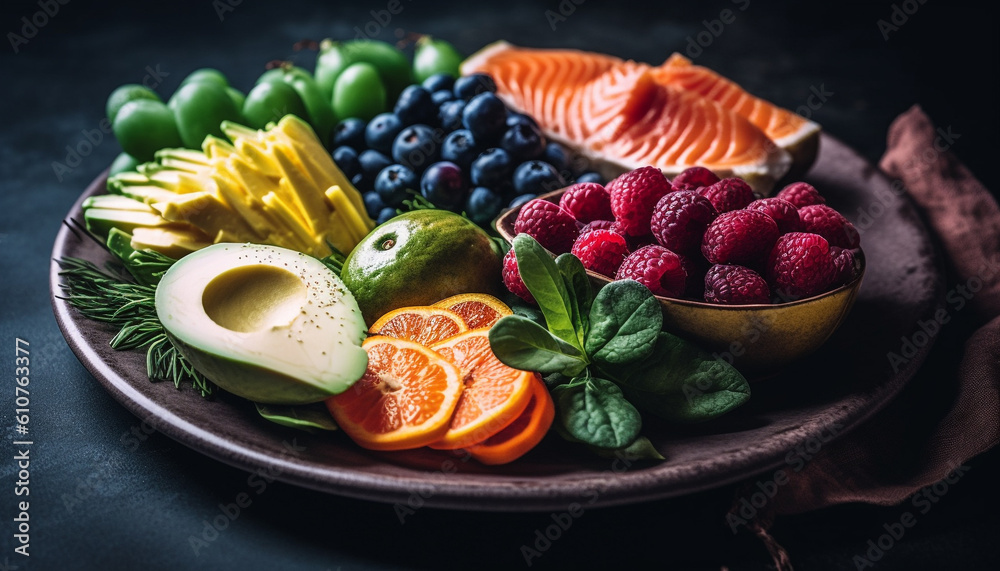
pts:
pixel 477 309
pixel 423 324
pixel 494 393
pixel 521 435
pixel 404 400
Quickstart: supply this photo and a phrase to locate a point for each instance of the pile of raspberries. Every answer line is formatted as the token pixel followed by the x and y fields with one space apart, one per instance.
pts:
pixel 696 237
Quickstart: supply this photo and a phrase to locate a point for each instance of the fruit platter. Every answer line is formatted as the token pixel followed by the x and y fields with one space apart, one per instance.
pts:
pixel 506 281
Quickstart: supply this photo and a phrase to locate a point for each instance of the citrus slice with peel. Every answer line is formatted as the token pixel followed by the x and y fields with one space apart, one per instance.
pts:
pixel 477 309
pixel 404 400
pixel 422 324
pixel 523 434
pixel 494 394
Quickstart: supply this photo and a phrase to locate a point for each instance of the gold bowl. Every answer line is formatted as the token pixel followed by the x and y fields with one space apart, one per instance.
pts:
pixel 755 337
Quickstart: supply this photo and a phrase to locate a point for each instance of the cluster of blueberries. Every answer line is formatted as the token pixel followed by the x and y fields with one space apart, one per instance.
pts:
pixel 454 142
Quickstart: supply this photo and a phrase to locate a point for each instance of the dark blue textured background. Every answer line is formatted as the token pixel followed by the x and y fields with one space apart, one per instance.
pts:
pixel 138 505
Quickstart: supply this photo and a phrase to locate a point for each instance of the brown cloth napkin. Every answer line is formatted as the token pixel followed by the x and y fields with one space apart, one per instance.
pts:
pixel 950 412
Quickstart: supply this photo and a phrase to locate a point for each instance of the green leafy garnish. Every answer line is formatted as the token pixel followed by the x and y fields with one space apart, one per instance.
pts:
pixel 528 346
pixel 683 383
pixel 594 411
pixel 308 417
pixel 624 322
pixel 131 306
pixel 548 287
pixel 602 354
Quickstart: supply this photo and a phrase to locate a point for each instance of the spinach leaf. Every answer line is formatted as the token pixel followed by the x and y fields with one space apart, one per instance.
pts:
pixel 595 412
pixel 523 344
pixel 624 322
pixel 526 311
pixel 545 282
pixel 308 417
pixel 578 290
pixel 681 382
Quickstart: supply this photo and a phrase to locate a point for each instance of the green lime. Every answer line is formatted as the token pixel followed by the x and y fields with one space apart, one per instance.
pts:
pixel 208 75
pixel 200 107
pixel 144 126
pixel 359 92
pixel 269 101
pixel 125 93
pixel 435 56
pixel 419 258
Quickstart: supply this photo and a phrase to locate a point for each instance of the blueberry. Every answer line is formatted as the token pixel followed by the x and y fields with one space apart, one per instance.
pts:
pixel 415 105
pixel 358 181
pixel 491 168
pixel 505 190
pixel 381 131
pixel 373 204
pixel 537 177
pixel 590 176
pixel 556 155
pixel 483 205
pixel 444 185
pixel 439 82
pixel 486 116
pixel 521 199
pixel 393 182
pixel 469 86
pixel 460 148
pixel 523 142
pixel 372 162
pixel 450 115
pixel 416 147
pixel 385 214
pixel 347 160
pixel 440 97
pixel 520 119
pixel 350 132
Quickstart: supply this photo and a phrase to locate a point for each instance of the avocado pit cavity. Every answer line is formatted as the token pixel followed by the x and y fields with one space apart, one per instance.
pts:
pixel 254 298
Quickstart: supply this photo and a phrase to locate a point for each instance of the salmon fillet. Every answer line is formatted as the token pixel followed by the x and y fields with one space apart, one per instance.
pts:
pixel 788 130
pixel 621 115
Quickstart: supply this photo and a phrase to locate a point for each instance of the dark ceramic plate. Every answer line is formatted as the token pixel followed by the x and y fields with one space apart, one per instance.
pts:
pixel 824 395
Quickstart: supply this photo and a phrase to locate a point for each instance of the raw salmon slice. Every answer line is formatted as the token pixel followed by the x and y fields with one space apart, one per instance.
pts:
pixel 616 114
pixel 788 130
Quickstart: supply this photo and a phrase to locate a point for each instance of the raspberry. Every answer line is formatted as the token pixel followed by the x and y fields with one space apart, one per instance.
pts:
pixel 694 178
pixel 728 194
pixel 633 197
pixel 801 194
pixel 601 251
pixel 781 211
pixel 680 219
pixel 739 237
pixel 597 225
pixel 587 201
pixel 512 278
pixel 554 228
pixel 655 267
pixel 800 265
pixel 730 285
pixel 830 224
pixel 844 260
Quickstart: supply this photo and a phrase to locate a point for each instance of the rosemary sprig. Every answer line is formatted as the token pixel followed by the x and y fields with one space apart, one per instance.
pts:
pixel 114 299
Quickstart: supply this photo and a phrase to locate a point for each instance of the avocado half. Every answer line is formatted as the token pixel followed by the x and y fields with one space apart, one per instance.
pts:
pixel 265 323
